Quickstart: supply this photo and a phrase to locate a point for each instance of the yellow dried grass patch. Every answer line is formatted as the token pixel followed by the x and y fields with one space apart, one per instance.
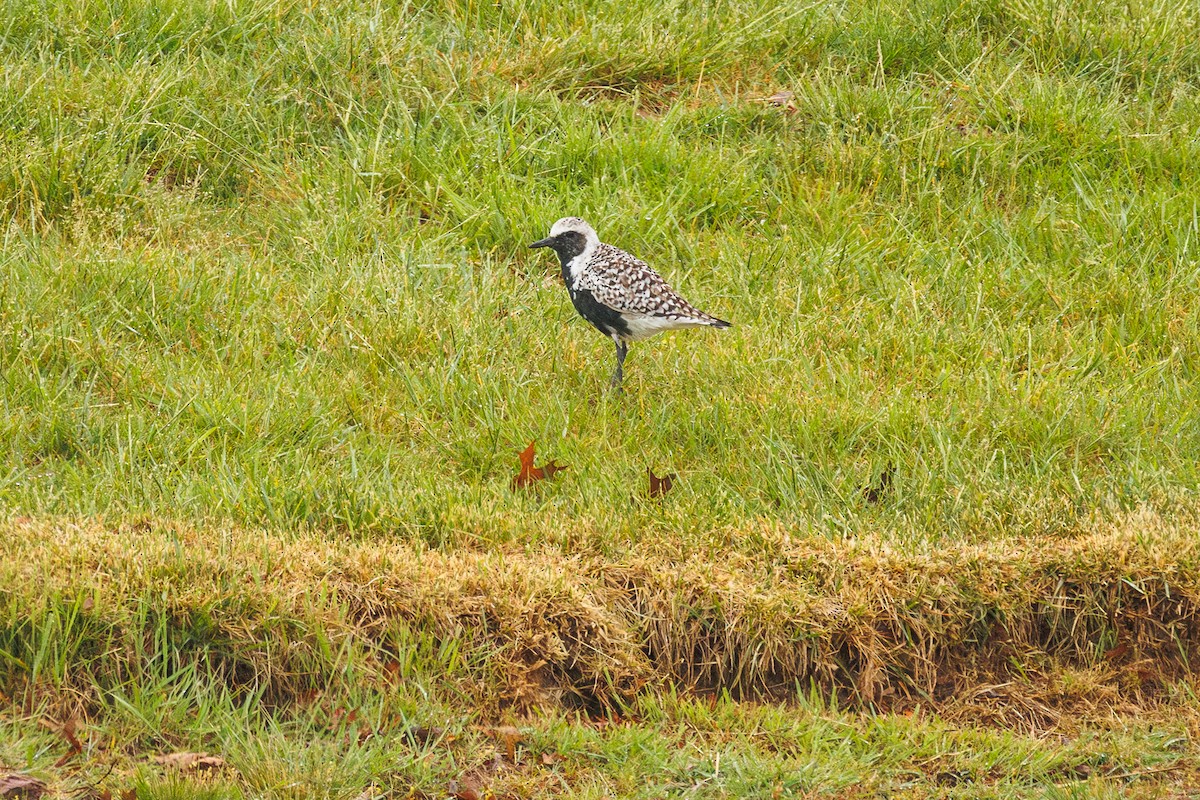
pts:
pixel 997 629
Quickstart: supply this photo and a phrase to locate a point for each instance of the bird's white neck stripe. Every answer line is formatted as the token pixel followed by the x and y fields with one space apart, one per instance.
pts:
pixel 580 261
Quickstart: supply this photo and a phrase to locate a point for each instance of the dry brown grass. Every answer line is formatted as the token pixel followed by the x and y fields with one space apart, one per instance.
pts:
pixel 1015 631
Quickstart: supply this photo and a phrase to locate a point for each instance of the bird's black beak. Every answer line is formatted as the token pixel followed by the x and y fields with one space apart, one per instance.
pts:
pixel 541 243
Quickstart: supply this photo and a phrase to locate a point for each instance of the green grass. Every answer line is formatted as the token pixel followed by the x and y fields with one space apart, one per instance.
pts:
pixel 665 748
pixel 266 262
pixel 264 266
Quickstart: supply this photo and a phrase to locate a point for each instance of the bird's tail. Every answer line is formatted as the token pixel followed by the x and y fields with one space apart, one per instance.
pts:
pixel 719 323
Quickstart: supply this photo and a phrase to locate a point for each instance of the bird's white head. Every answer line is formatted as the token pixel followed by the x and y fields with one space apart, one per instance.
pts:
pixel 570 237
pixel 575 225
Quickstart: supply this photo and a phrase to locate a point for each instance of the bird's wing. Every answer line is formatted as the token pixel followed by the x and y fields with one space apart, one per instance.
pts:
pixel 628 284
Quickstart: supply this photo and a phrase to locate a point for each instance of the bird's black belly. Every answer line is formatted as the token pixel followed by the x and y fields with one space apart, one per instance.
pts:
pixel 604 319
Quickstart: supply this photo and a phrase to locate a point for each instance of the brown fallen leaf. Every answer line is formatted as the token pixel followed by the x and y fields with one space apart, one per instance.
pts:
pixel 129 794
pixel 21 787
pixel 660 486
pixel 420 735
pixel 511 737
pixel 782 99
pixel 67 731
pixel 190 761
pixel 550 759
pixel 1116 652
pixel 529 473
pixel 469 790
pixel 876 491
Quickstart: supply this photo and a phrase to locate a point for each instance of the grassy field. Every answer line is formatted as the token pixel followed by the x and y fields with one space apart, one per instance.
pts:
pixel 272 339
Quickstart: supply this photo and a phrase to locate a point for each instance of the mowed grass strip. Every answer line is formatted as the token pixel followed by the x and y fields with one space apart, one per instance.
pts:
pixel 410 745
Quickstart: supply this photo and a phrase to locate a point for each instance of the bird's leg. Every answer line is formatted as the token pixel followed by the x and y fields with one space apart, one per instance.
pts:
pixel 618 375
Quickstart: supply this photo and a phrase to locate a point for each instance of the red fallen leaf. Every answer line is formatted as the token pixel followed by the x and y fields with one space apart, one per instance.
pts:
pixel 129 794
pixel 660 486
pixel 1116 652
pixel 342 717
pixel 21 787
pixel 529 473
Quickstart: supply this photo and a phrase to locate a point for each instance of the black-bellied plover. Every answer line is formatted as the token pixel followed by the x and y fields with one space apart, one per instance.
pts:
pixel 619 294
